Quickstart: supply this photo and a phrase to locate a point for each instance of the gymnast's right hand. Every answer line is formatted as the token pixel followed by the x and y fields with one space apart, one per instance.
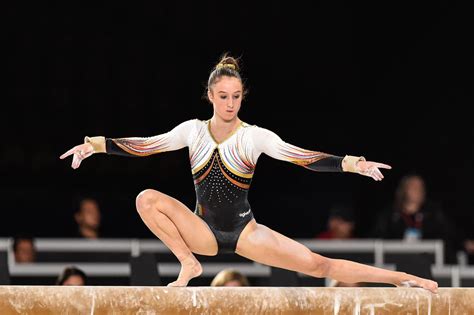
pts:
pixel 80 152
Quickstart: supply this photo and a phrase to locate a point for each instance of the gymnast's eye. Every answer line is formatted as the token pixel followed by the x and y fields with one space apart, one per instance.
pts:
pixel 223 97
pixel 237 96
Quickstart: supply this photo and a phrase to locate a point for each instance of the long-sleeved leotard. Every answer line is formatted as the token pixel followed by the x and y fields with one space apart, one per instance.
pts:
pixel 222 172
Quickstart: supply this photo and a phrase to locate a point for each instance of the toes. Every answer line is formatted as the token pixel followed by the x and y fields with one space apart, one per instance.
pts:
pixel 433 287
pixel 176 284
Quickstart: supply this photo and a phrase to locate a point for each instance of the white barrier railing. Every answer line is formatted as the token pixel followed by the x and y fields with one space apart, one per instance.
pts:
pixel 379 248
pixel 135 246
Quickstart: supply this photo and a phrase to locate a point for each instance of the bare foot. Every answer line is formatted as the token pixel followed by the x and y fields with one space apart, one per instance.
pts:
pixel 412 281
pixel 190 268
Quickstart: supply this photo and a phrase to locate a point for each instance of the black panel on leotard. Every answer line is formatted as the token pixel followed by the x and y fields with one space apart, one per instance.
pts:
pixel 222 201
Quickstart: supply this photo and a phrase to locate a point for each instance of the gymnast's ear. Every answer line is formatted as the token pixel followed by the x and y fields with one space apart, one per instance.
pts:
pixel 210 96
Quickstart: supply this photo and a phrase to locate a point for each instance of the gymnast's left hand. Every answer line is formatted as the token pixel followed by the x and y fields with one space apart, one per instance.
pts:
pixel 80 153
pixel 372 169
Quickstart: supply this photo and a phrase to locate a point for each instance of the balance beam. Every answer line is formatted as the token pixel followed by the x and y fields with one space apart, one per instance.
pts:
pixel 232 300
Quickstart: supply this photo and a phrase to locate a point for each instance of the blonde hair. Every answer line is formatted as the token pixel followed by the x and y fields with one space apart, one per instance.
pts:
pixel 228 275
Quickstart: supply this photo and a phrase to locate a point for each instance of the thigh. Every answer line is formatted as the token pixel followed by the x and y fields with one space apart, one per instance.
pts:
pixel 264 245
pixel 195 232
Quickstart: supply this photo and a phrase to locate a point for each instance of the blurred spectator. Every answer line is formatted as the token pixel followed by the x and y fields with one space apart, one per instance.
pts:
pixel 468 247
pixel 88 219
pixel 230 278
pixel 24 249
pixel 72 276
pixel 340 223
pixel 413 217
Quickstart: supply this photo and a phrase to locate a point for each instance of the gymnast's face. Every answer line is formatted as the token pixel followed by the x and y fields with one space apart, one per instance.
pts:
pixel 226 97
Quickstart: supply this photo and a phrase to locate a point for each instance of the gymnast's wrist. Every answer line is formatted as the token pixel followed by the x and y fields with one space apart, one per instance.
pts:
pixel 98 143
pixel 350 163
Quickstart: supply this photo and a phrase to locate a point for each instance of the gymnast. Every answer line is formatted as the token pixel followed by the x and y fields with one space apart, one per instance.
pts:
pixel 223 152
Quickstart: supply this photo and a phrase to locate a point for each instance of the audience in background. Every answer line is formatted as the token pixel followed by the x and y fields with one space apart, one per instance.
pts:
pixel 340 223
pixel 230 278
pixel 88 219
pixel 72 276
pixel 412 216
pixel 24 249
pixel 468 248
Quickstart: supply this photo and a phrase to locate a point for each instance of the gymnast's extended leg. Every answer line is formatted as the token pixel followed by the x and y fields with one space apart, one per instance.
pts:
pixel 261 244
pixel 179 228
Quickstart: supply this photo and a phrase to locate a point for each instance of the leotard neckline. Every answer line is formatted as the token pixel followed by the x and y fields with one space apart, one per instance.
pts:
pixel 208 122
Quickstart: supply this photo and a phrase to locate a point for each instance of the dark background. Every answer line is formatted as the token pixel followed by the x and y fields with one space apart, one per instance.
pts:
pixel 390 81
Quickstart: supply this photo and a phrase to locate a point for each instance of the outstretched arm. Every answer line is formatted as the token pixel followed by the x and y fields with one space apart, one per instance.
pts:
pixel 175 139
pixel 268 142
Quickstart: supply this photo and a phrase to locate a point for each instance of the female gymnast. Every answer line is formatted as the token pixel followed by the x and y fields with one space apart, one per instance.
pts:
pixel 223 152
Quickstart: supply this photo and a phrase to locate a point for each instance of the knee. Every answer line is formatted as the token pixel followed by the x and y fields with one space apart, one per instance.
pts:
pixel 146 200
pixel 318 265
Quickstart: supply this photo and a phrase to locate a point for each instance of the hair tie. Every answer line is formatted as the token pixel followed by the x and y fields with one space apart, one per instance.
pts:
pixel 225 65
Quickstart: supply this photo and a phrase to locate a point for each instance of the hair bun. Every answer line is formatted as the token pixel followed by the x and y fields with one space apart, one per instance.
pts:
pixel 225 65
pixel 228 62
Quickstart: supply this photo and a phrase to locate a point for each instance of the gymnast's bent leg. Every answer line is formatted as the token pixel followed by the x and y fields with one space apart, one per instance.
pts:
pixel 179 228
pixel 261 244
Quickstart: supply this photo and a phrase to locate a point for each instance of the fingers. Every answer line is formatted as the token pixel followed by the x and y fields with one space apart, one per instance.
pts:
pixel 374 173
pixel 371 169
pixel 79 152
pixel 382 165
pixel 68 153
pixel 376 177
pixel 76 161
pixel 379 174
